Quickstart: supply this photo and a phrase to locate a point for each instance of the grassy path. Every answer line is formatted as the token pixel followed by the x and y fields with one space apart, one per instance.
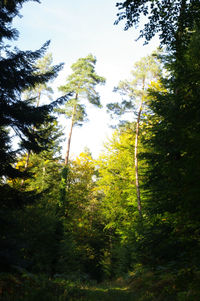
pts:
pixel 103 293
pixel 40 288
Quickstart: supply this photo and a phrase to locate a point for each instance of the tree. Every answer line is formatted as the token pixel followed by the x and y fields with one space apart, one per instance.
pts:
pixel 118 203
pixel 144 71
pixel 82 83
pixel 35 93
pixel 172 132
pixel 43 236
pixel 18 72
pixel 83 223
pixel 9 10
pixel 172 19
pixel 116 180
pixel 173 139
pixel 44 168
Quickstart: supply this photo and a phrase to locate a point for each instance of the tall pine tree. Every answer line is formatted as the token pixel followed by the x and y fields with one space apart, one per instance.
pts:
pixel 18 72
pixel 82 83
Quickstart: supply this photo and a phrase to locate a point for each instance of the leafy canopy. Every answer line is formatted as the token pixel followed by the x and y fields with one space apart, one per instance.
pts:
pixel 168 18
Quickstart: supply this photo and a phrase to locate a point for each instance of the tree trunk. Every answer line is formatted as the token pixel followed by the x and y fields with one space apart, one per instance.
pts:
pixel 70 136
pixel 137 183
pixel 136 161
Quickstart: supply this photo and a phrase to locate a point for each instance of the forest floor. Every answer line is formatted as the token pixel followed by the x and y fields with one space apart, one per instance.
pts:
pixel 104 292
pixel 15 288
pixel 146 287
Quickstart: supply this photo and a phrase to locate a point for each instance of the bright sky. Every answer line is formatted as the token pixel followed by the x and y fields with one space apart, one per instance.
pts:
pixel 77 28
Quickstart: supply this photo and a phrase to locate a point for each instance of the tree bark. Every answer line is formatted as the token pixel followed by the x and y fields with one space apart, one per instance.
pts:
pixel 137 182
pixel 136 161
pixel 70 135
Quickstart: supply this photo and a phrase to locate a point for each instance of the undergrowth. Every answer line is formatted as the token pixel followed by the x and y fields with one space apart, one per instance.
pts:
pixel 140 285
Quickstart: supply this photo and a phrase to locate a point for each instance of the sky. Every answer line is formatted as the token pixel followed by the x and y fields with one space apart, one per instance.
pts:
pixel 77 28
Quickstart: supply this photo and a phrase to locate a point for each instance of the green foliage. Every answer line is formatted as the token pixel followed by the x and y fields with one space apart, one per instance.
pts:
pixel 40 253
pixel 9 10
pixel 116 179
pixel 118 206
pixel 169 18
pixel 63 184
pixel 134 90
pixel 42 65
pixel 27 286
pixel 80 223
pixel 30 287
pixel 169 237
pixel 18 119
pixel 82 220
pixel 142 285
pixel 18 74
pixel 171 152
pixel 81 83
pixel 84 79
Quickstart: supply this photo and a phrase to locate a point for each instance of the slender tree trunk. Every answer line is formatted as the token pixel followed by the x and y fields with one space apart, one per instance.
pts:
pixel 70 136
pixel 136 161
pixel 137 183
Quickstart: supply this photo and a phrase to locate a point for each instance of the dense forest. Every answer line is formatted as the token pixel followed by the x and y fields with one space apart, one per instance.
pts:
pixel 125 226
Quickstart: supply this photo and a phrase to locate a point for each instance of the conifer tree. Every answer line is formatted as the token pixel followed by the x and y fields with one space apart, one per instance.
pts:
pixel 18 117
pixel 36 93
pixel 171 152
pixel 173 133
pixel 19 73
pixel 82 83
